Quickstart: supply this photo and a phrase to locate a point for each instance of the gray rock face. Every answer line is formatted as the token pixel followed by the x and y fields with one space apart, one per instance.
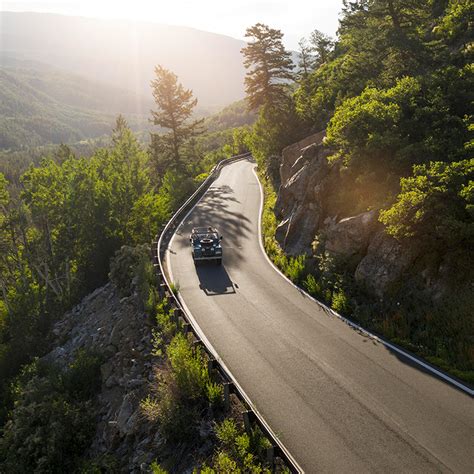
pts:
pixel 307 181
pixel 307 206
pixel 299 203
pixel 384 264
pixel 292 152
pixel 118 329
pixel 350 236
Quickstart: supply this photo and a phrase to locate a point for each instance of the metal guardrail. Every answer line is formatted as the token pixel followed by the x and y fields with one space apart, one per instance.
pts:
pixel 230 383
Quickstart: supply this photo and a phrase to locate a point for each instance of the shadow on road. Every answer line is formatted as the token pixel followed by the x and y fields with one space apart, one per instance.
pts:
pixel 214 279
pixel 400 356
pixel 214 209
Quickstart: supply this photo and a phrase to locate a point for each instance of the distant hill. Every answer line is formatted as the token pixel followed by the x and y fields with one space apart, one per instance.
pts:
pixel 41 105
pixel 234 115
pixel 123 54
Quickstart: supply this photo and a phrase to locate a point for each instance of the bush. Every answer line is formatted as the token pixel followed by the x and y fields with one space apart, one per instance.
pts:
pixel 436 204
pixel 183 392
pixel 129 264
pixel 83 378
pixel 311 285
pixel 238 451
pixel 295 268
pixel 340 302
pixel 53 420
pixel 189 369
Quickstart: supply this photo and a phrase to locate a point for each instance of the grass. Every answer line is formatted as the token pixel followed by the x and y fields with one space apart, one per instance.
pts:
pixel 441 336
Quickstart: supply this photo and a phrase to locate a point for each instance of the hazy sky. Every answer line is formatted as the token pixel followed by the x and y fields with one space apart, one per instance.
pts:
pixel 296 18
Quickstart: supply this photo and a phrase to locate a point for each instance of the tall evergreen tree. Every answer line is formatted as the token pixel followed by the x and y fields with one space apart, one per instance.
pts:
pixel 269 66
pixel 322 46
pixel 175 108
pixel 306 59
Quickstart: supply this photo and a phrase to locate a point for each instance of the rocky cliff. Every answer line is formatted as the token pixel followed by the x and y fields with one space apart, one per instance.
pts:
pixel 116 328
pixel 312 210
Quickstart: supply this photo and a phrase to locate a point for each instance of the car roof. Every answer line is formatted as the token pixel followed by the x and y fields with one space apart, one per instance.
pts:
pixel 204 230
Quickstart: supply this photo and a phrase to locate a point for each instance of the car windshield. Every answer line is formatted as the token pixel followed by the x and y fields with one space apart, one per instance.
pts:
pixel 204 233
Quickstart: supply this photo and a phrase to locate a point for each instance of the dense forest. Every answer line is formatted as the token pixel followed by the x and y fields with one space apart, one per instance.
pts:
pixel 41 105
pixel 64 216
pixel 394 93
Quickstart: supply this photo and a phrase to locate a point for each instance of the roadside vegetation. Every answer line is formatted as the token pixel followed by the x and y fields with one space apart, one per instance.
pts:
pixel 62 219
pixel 394 93
pixel 186 397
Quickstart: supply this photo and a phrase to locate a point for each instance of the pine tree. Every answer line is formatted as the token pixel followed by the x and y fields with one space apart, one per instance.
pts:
pixel 269 66
pixel 175 107
pixel 306 59
pixel 121 127
pixel 322 46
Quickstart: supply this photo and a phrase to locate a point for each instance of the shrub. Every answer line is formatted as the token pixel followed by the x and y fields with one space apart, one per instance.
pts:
pixel 312 286
pixel 83 378
pixel 157 469
pixel 174 287
pixel 339 301
pixel 53 420
pixel 238 451
pixel 130 269
pixel 184 392
pixel 295 268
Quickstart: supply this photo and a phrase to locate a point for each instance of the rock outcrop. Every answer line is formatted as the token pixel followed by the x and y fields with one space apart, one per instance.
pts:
pixel 119 331
pixel 350 236
pixel 384 264
pixel 307 182
pixel 299 203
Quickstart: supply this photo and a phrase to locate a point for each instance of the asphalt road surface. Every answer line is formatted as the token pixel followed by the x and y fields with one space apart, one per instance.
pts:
pixel 339 400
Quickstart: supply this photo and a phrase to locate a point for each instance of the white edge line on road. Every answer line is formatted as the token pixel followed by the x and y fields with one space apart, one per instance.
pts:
pixel 211 347
pixel 409 356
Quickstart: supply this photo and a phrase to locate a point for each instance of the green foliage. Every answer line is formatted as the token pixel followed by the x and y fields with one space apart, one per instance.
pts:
pixel 436 204
pixel 269 67
pixel 175 107
pixel 82 380
pixel 311 285
pixel 157 469
pixel 52 421
pixel 235 115
pixel 395 94
pixel 339 301
pixel 238 451
pixel 42 105
pixel 185 390
pixel 59 232
pixel 99 464
pixel 189 368
pixel 174 287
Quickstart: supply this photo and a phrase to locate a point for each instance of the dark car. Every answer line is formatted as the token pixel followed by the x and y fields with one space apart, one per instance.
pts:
pixel 206 244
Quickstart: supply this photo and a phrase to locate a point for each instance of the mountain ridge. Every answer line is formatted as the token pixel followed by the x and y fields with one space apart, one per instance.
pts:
pixel 124 53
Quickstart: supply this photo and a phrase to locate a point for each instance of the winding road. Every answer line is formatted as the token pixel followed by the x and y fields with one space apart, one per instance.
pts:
pixel 339 400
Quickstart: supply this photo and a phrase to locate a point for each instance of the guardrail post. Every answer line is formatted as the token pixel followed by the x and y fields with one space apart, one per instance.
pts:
pixel 247 420
pixel 186 327
pixel 271 457
pixel 227 387
pixel 211 363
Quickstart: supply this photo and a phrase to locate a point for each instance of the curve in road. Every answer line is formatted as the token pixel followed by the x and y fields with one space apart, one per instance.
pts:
pixel 339 400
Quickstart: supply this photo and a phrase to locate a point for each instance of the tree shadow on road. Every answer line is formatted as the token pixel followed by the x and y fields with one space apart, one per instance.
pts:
pixel 214 210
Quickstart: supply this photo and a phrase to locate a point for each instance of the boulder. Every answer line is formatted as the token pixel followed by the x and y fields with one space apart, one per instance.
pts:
pixel 385 263
pixel 300 200
pixel 292 152
pixel 350 236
